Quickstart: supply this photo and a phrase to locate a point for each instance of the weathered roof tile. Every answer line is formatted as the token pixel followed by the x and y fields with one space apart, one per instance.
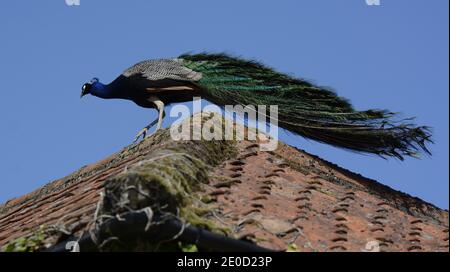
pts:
pixel 275 199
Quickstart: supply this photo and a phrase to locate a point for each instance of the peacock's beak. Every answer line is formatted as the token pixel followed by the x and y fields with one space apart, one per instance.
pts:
pixel 85 89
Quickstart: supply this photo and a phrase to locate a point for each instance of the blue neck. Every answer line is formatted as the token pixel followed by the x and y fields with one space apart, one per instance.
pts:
pixel 104 91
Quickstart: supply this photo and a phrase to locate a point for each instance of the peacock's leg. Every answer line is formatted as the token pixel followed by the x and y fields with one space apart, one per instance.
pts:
pixel 161 114
pixel 143 132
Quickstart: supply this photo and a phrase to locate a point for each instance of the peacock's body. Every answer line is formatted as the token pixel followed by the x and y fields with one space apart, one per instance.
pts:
pixel 305 109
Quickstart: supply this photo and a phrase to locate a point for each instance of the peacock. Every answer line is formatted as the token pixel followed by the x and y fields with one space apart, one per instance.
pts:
pixel 311 111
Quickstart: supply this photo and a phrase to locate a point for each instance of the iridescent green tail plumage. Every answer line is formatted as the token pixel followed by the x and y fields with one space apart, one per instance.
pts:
pixel 310 111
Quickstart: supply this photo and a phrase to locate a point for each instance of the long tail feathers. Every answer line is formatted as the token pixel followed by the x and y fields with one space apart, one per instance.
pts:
pixel 310 111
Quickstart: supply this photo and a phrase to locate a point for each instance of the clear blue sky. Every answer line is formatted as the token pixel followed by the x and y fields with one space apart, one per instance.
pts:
pixel 392 56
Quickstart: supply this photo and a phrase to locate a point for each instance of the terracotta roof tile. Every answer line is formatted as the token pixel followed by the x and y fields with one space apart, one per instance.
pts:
pixel 274 199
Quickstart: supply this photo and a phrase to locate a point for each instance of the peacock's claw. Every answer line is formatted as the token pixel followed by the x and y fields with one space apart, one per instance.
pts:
pixel 142 132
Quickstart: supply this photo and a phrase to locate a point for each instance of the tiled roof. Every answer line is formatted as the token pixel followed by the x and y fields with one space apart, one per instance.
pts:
pixel 282 199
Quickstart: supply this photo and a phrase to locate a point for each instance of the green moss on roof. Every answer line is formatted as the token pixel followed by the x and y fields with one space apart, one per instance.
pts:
pixel 27 244
pixel 167 181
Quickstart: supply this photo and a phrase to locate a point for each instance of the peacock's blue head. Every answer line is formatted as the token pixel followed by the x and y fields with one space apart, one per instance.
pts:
pixel 89 87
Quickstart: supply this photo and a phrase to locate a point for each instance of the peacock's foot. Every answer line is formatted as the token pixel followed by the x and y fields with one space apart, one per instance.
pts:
pixel 142 132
